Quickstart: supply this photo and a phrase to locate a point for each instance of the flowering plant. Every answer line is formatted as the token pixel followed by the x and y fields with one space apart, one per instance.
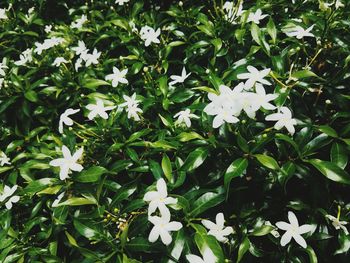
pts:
pixel 174 131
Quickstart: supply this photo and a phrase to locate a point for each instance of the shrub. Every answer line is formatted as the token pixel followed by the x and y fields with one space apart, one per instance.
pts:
pixel 199 131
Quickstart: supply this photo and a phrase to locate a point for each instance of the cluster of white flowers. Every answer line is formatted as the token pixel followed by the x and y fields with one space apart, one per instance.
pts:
pixel 8 193
pixel 79 22
pixel 149 35
pixel 162 225
pixel 232 12
pixel 230 103
pixel 47 44
pixel 131 105
pixel 85 56
pixel 25 57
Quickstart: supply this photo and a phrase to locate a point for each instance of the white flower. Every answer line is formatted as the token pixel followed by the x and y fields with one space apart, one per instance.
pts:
pixel 117 76
pixel 121 2
pixel 25 57
pixel 224 106
pixel 185 116
pixel 91 58
pixel 79 22
pixel 68 162
pixel 57 200
pixel 149 35
pixel 208 257
pixel 47 44
pixel 338 224
pixel 131 105
pixel 232 13
pixel 64 119
pixel 256 17
pixel 31 10
pixel 338 4
pixel 1 82
pixel 162 227
pixel 261 99
pixel 78 64
pixel 254 76
pixel 3 13
pixel 2 67
pixel 293 230
pixel 159 199
pixel 80 49
pixel 4 159
pixel 58 61
pixel 284 119
pixel 179 79
pixel 218 230
pixel 298 32
pixel 48 29
pixel 98 109
pixel 133 112
pixel 8 192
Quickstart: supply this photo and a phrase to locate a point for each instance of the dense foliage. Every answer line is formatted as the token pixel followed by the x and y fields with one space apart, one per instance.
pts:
pixel 222 127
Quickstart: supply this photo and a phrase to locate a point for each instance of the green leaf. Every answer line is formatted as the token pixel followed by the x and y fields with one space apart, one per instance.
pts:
pixel 312 255
pixel 85 231
pixel 243 248
pixel 328 130
pixel 77 201
pixel 206 201
pixel 178 246
pixel 91 175
pixel 267 161
pixel 339 155
pixel 195 159
pixel 301 74
pixel 31 96
pixel 204 241
pixel 271 30
pixel 71 239
pixel 166 166
pixel 235 169
pixel 331 171
pixel 94 83
pixel 262 230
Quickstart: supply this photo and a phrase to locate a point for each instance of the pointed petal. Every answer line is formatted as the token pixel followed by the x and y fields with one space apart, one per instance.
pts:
pixel 300 240
pixel 66 152
pixel 165 237
pixel 208 224
pixel 173 226
pixel 162 188
pixel 153 235
pixel 286 238
pixel 293 219
pixel 305 229
pixel 283 225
